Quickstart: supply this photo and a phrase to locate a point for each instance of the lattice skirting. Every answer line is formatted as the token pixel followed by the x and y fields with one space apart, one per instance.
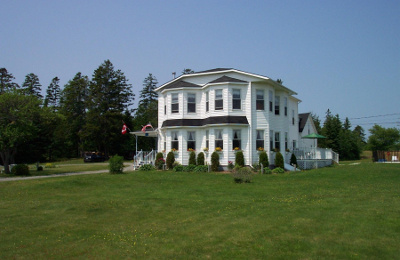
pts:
pixel 313 164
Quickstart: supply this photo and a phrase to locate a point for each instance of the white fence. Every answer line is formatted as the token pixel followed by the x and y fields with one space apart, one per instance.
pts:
pixel 316 154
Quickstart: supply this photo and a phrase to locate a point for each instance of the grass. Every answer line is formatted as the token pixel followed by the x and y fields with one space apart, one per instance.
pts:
pixel 348 211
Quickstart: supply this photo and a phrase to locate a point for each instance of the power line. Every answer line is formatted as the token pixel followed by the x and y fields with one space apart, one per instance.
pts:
pixel 355 118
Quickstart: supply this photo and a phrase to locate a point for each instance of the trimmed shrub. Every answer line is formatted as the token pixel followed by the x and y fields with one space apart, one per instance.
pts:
pixel 189 168
pixel 147 167
pixel 201 168
pixel 20 169
pixel 214 161
pixel 200 159
pixel 293 159
pixel 263 159
pixel 192 158
pixel 267 170
pixel 159 161
pixel 116 164
pixel 239 158
pixel 243 174
pixel 170 160
pixel 178 168
pixel 279 160
pixel 278 170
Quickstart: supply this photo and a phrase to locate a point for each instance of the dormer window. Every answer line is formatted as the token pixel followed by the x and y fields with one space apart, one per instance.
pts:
pixel 191 103
pixel 219 102
pixel 236 99
pixel 175 103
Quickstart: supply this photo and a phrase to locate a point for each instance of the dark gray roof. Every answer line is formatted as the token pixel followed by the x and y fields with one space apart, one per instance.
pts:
pixel 182 84
pixel 207 121
pixel 213 70
pixel 302 121
pixel 227 79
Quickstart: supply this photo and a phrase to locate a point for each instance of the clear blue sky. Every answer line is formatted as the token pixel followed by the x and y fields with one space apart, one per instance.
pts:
pixel 341 55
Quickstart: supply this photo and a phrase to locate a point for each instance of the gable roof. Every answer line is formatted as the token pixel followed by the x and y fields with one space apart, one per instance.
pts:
pixel 181 84
pixel 302 121
pixel 227 79
pixel 213 70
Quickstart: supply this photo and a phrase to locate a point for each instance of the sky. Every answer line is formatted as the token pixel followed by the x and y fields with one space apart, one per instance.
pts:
pixel 338 55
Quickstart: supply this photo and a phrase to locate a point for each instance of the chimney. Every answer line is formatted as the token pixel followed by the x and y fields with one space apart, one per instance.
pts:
pixel 174 74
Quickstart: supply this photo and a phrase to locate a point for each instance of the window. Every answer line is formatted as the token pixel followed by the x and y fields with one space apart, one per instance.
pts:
pixel 191 103
pixel 219 102
pixel 165 109
pixel 207 139
pixel 271 140
pixel 174 141
pixel 285 104
pixel 175 103
pixel 207 102
pixel 218 139
pixel 293 117
pixel 260 99
pixel 237 140
pixel 286 141
pixel 271 98
pixel 294 144
pixel 236 100
pixel 277 141
pixel 191 140
pixel 277 100
pixel 260 140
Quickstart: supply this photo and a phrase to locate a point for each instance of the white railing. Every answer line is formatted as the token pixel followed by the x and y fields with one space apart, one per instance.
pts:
pixel 316 154
pixel 144 157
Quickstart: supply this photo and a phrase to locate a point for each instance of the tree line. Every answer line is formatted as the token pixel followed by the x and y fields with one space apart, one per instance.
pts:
pixel 85 115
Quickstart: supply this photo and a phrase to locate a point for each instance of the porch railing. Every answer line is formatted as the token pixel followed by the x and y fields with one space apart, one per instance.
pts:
pixel 316 154
pixel 144 157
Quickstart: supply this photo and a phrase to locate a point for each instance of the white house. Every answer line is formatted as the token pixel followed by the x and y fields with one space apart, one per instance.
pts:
pixel 228 109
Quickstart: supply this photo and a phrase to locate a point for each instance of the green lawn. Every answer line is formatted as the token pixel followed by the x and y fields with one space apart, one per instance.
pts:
pixel 347 211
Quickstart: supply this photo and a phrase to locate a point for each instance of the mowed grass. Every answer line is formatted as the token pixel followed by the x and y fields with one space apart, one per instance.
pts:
pixel 350 211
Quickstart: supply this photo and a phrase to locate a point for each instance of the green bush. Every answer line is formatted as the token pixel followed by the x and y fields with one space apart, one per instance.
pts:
pixel 116 164
pixel 201 168
pixel 39 168
pixel 170 160
pixel 147 167
pixel 178 168
pixel 192 158
pixel 256 167
pixel 279 160
pixel 214 161
pixel 263 159
pixel 278 170
pixel 239 158
pixel 267 170
pixel 243 174
pixel 20 169
pixel 200 159
pixel 159 163
pixel 293 159
pixel 189 168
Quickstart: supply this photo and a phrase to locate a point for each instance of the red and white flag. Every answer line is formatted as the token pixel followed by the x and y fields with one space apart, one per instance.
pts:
pixel 144 127
pixel 124 129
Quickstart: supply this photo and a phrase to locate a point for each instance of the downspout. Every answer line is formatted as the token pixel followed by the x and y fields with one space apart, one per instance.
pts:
pixel 250 125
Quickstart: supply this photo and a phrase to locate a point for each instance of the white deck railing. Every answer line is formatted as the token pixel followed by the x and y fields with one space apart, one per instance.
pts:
pixel 316 154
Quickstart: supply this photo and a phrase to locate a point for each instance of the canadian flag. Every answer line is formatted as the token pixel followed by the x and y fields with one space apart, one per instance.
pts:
pixel 124 129
pixel 144 127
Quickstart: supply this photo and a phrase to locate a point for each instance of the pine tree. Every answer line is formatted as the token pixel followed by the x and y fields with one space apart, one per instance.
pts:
pixel 6 81
pixel 32 86
pixel 53 93
pixel 187 71
pixel 147 94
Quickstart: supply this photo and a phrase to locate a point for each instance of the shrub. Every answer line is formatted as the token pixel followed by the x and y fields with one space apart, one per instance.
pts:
pixel 279 160
pixel 263 159
pixel 256 167
pixel 20 169
pixel 230 165
pixel 243 174
pixel 49 165
pixel 159 161
pixel 200 159
pixel 39 168
pixel 293 159
pixel 170 160
pixel 192 158
pixel 116 164
pixel 214 161
pixel 147 167
pixel 189 168
pixel 201 168
pixel 278 170
pixel 239 158
pixel 267 170
pixel 178 168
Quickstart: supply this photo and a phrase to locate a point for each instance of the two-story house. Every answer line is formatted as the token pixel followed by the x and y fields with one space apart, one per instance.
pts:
pixel 226 110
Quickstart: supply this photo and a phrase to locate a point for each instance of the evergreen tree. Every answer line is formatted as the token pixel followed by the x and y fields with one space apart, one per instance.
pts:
pixel 187 71
pixel 6 81
pixel 147 94
pixel 53 93
pixel 359 134
pixel 317 122
pixel 32 86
